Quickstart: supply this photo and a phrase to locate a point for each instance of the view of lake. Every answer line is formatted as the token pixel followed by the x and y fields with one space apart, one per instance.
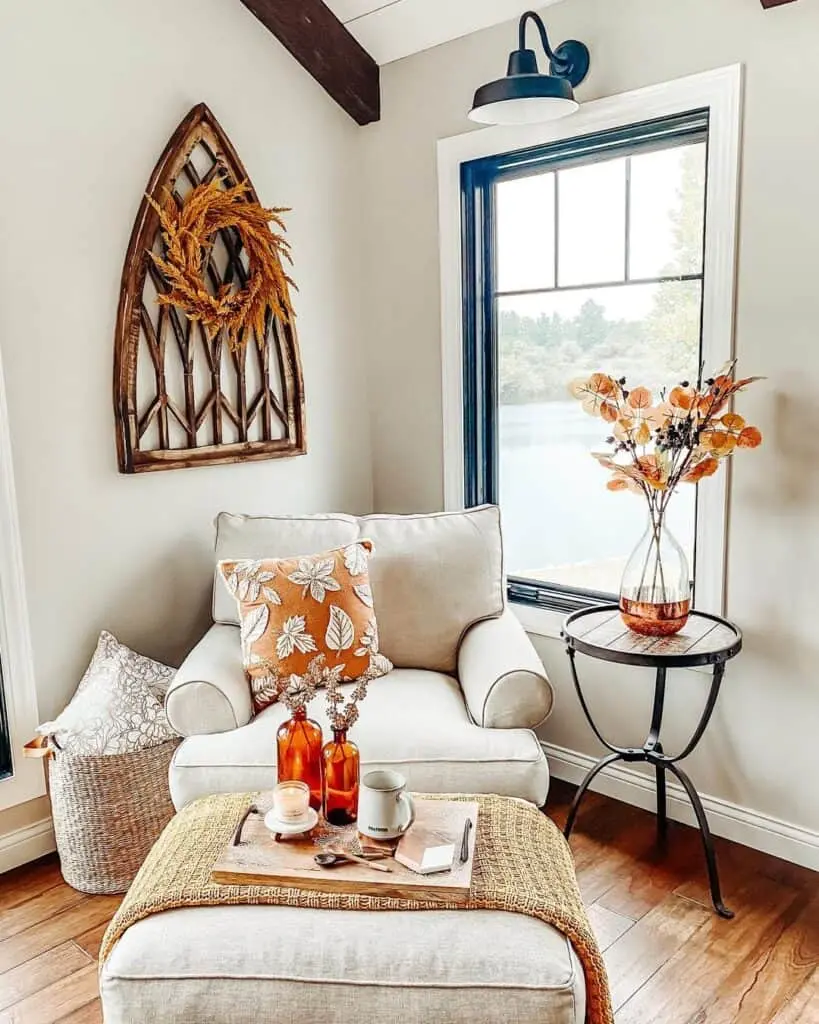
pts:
pixel 556 509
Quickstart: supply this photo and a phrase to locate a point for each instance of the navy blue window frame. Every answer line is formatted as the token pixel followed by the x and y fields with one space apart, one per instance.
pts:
pixel 5 735
pixel 479 291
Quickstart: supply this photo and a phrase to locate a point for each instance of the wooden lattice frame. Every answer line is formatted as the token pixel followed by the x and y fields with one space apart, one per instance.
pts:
pixel 190 427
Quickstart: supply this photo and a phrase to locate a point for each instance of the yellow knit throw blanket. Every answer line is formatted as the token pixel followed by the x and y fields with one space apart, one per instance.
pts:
pixel 522 865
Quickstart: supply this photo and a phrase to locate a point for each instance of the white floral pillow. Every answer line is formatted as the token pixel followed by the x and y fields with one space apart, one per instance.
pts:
pixel 117 707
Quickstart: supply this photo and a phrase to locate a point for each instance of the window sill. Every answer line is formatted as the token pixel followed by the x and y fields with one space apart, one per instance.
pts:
pixel 543 607
pixel 540 621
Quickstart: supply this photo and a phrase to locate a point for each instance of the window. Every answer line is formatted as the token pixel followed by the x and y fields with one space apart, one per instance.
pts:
pixel 580 255
pixel 503 302
pixel 21 779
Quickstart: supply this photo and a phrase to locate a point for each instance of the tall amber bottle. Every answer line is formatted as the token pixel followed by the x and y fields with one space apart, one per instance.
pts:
pixel 299 746
pixel 342 770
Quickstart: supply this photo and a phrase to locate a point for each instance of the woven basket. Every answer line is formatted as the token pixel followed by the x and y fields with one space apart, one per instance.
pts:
pixel 108 812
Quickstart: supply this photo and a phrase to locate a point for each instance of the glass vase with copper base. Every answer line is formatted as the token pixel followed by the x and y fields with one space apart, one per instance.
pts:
pixel 655 592
pixel 342 770
pixel 299 742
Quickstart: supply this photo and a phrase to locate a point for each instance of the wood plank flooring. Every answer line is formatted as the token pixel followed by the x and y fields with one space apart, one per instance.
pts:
pixel 671 960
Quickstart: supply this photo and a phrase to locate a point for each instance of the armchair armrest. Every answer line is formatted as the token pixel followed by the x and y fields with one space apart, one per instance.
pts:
pixel 502 677
pixel 210 692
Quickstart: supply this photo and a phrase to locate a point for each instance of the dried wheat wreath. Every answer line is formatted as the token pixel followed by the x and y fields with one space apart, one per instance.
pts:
pixel 189 232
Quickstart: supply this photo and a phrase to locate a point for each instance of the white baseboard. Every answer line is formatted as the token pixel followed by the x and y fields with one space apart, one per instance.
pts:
pixel 759 831
pixel 26 844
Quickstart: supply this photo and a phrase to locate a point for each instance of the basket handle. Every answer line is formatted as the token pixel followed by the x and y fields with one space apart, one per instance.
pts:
pixel 39 747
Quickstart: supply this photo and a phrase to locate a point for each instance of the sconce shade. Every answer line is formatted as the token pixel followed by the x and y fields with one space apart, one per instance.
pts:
pixel 524 95
pixel 523 99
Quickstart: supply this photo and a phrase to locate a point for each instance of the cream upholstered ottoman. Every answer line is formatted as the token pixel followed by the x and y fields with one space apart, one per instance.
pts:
pixel 246 964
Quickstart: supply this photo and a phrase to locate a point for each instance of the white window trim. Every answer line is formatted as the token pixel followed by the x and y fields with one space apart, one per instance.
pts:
pixel 721 92
pixel 28 780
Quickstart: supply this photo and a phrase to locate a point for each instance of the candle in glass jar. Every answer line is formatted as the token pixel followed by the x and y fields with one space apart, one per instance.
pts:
pixel 291 800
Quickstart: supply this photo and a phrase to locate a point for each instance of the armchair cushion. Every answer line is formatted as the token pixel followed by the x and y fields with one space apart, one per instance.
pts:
pixel 272 537
pixel 210 692
pixel 432 576
pixel 412 721
pixel 502 677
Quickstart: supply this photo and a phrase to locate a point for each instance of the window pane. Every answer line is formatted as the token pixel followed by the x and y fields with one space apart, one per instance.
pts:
pixel 667 212
pixel 592 224
pixel 561 525
pixel 525 216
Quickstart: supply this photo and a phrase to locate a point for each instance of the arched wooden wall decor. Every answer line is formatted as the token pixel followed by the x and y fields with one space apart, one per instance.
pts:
pixel 181 398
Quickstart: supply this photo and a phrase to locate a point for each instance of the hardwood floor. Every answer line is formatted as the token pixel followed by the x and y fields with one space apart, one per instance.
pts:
pixel 671 960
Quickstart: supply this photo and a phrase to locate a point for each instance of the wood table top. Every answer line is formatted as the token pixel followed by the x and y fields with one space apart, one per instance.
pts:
pixel 601 633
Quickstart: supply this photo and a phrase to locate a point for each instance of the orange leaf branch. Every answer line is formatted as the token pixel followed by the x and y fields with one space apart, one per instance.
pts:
pixel 682 439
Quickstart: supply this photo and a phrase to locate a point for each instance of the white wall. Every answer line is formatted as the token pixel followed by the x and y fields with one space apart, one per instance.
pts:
pixel 90 91
pixel 760 752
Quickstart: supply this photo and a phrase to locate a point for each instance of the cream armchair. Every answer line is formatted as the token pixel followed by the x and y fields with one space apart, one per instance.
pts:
pixel 457 712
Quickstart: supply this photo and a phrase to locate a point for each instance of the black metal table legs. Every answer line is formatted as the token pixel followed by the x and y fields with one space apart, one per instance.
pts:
pixel 653 753
pixel 584 785
pixel 662 801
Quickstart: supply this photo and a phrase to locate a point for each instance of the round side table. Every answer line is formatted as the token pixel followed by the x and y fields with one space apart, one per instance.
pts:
pixel 600 633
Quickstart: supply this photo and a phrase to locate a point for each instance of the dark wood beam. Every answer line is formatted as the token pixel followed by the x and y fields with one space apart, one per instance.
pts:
pixel 322 45
pixel 775 3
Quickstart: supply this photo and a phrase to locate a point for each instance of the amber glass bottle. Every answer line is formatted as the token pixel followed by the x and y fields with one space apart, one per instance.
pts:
pixel 299 745
pixel 342 767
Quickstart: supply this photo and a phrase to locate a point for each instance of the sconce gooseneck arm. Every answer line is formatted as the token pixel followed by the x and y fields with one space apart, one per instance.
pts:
pixel 544 38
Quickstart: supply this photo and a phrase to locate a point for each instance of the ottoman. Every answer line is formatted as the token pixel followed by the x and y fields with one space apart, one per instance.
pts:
pixel 252 964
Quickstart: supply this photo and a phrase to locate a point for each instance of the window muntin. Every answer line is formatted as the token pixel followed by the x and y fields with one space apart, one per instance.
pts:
pixel 585 255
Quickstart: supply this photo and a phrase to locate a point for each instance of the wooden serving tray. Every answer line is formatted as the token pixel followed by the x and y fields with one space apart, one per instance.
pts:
pixel 288 863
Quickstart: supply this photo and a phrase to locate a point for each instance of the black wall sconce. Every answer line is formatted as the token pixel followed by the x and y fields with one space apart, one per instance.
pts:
pixel 525 96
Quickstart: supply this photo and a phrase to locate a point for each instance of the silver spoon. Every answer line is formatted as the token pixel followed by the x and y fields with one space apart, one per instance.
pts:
pixel 333 860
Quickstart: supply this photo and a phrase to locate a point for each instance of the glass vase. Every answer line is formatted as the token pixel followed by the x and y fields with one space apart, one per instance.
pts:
pixel 655 592
pixel 299 747
pixel 342 769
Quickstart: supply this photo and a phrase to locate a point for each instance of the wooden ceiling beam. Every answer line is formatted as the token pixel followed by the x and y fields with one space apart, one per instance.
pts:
pixel 325 48
pixel 775 3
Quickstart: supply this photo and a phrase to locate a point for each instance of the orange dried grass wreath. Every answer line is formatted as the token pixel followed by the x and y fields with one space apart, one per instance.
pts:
pixel 189 232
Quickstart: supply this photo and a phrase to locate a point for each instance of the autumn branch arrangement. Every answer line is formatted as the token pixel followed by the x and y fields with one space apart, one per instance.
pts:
pixel 682 437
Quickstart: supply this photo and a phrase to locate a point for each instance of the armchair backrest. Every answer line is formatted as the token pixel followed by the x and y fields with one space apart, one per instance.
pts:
pixel 432 576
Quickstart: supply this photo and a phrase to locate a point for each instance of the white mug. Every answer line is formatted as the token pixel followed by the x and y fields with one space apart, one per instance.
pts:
pixel 385 809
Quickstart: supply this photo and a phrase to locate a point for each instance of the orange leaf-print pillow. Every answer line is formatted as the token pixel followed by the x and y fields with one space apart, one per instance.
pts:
pixel 307 617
